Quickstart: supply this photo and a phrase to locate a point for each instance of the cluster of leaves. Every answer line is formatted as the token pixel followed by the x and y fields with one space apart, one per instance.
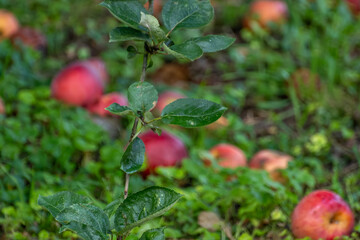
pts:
pixel 176 14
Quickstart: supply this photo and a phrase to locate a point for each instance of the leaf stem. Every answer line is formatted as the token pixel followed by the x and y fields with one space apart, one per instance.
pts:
pixel 126 191
pixel 154 120
pixel 144 67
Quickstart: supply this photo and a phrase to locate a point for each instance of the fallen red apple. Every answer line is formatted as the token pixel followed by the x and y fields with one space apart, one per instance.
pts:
pixel 105 101
pixel 30 37
pixel 227 156
pixel 166 98
pixel 157 7
pixel 354 6
pixel 162 151
pixel 322 215
pixel 2 107
pixel 9 25
pixel 305 83
pixel 271 161
pixel 264 12
pixel 100 68
pixel 77 85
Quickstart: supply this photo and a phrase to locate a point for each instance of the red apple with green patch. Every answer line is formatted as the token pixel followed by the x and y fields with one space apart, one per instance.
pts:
pixel 77 84
pixel 227 156
pixel 322 215
pixel 162 151
pixel 105 101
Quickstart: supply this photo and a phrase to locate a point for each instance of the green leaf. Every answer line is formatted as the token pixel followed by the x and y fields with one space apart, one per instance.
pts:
pixel 212 43
pixel 132 51
pixel 152 24
pixel 187 13
pixel 120 34
pixel 111 207
pixel 115 108
pixel 189 112
pixel 186 51
pixel 85 218
pixel 144 206
pixel 59 201
pixel 84 231
pixel 142 96
pixel 126 11
pixel 153 234
pixel 134 156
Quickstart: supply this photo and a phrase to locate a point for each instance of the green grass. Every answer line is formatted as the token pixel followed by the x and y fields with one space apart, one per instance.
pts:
pixel 47 147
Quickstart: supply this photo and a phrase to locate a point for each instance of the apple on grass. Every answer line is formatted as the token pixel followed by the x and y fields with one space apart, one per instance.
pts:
pixel 264 12
pixel 162 151
pixel 9 25
pixel 227 156
pixel 322 215
pixel 77 84
pixel 105 101
pixel 271 161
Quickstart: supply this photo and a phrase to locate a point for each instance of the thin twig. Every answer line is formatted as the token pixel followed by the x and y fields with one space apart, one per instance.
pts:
pixel 134 133
pixel 126 190
pixel 143 74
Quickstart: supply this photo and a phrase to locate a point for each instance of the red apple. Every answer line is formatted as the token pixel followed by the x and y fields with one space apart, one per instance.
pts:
pixel 270 161
pixel 305 83
pixel 31 38
pixel 99 67
pixel 166 98
pixel 77 85
pixel 354 6
pixel 162 151
pixel 157 7
pixel 227 156
pixel 266 11
pixel 322 215
pixel 2 107
pixel 105 101
pixel 8 24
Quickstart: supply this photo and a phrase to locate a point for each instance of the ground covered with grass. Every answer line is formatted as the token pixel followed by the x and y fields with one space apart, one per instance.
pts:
pixel 292 87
